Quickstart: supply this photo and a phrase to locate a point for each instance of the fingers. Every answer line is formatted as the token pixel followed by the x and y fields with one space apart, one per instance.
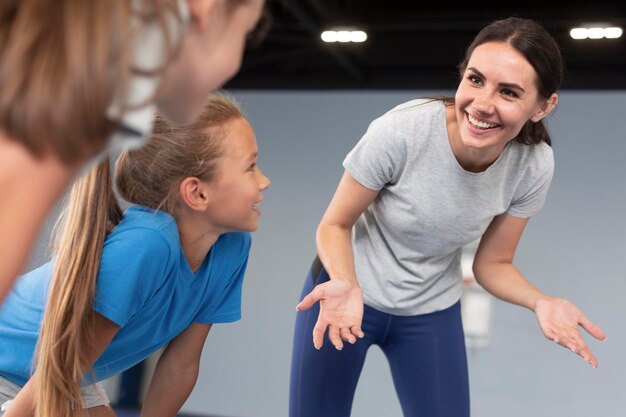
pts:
pixel 347 336
pixel 592 329
pixel 356 330
pixel 336 335
pixel 318 334
pixel 311 298
pixel 577 345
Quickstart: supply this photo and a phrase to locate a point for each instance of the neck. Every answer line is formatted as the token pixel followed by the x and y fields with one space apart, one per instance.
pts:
pixel 196 240
pixel 470 159
pixel 473 160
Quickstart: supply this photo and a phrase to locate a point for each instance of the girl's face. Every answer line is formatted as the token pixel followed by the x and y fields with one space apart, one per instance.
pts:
pixel 210 54
pixel 238 186
pixel 497 95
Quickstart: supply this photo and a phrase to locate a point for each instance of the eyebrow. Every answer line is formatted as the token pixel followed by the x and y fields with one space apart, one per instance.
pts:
pixel 507 85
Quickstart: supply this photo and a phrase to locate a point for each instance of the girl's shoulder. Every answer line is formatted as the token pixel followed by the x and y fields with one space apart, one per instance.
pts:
pixel 143 220
pixel 236 244
pixel 145 230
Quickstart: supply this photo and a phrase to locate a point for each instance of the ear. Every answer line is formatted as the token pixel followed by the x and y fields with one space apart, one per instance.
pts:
pixel 546 108
pixel 201 12
pixel 194 193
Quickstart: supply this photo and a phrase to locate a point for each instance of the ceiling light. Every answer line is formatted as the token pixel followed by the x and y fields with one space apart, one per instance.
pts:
pixel 612 33
pixel 595 32
pixel 344 35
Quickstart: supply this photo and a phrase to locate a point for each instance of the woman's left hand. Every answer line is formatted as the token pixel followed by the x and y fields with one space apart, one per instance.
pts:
pixel 559 320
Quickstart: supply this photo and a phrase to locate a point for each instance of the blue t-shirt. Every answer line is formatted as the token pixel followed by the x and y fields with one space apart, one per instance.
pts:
pixel 144 285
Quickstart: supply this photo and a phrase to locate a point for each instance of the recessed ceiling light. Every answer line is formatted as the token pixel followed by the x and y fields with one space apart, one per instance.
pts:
pixel 596 32
pixel 344 35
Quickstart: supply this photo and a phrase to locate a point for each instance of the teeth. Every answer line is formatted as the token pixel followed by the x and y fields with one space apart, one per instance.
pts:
pixel 479 124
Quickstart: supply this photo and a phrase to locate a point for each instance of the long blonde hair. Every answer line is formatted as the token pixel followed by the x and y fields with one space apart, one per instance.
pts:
pixel 63 63
pixel 148 176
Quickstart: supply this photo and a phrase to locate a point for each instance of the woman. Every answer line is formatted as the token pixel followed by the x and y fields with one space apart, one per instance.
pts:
pixel 429 177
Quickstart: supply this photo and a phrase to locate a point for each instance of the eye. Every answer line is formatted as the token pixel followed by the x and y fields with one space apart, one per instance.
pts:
pixel 509 93
pixel 475 79
pixel 252 166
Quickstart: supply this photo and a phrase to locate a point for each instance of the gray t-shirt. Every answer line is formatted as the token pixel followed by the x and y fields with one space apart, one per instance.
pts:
pixel 407 244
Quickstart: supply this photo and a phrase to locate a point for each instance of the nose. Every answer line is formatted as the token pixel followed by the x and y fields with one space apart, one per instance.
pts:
pixel 483 102
pixel 264 182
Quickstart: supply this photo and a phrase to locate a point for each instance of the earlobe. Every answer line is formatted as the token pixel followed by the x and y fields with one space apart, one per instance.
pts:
pixel 546 108
pixel 200 12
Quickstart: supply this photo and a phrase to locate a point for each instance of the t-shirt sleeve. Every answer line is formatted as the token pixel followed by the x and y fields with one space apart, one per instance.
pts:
pixel 231 261
pixel 533 190
pixel 379 157
pixel 133 265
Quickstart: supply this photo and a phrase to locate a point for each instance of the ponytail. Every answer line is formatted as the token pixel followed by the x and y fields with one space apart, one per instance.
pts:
pixel 146 176
pixel 67 329
pixel 534 133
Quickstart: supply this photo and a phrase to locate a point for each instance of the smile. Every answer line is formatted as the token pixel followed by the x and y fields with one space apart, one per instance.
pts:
pixel 480 124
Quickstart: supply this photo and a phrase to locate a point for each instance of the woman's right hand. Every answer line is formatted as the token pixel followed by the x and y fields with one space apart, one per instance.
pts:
pixel 341 311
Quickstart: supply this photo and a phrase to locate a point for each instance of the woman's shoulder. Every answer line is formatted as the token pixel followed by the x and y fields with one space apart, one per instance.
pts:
pixel 411 117
pixel 539 155
pixel 421 108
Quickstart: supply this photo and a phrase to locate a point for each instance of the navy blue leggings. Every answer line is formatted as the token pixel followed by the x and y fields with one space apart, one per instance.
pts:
pixel 426 354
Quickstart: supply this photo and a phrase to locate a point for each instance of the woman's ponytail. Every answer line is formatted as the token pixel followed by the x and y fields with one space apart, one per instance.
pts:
pixel 534 133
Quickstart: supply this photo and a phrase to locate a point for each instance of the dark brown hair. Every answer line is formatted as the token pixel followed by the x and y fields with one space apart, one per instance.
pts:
pixel 534 42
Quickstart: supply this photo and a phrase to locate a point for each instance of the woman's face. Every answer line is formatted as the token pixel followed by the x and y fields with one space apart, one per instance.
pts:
pixel 497 95
pixel 210 55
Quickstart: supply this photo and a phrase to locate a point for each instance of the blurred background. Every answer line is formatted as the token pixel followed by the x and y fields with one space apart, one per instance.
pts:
pixel 310 101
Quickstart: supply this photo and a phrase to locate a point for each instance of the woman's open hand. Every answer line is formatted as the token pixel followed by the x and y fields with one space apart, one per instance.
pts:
pixel 341 311
pixel 559 320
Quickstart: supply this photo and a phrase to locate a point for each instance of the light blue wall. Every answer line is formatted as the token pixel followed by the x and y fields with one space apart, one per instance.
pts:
pixel 575 248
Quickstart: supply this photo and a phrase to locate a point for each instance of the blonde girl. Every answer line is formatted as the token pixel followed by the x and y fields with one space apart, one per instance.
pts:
pixel 123 284
pixel 79 77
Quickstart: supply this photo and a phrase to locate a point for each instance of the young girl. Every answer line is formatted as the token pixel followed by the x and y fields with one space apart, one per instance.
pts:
pixel 121 286
pixel 429 177
pixel 79 77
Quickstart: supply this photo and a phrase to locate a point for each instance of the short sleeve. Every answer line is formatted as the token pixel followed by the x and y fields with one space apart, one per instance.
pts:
pixel 379 157
pixel 231 261
pixel 134 263
pixel 533 190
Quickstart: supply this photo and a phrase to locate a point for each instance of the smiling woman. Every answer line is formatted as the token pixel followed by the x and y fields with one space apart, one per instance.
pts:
pixel 427 178
pixel 496 98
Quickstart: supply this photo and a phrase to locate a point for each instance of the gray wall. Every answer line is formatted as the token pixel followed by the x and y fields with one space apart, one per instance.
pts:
pixel 574 248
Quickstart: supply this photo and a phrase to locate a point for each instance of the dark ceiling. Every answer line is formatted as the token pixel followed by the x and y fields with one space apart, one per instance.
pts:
pixel 416 44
